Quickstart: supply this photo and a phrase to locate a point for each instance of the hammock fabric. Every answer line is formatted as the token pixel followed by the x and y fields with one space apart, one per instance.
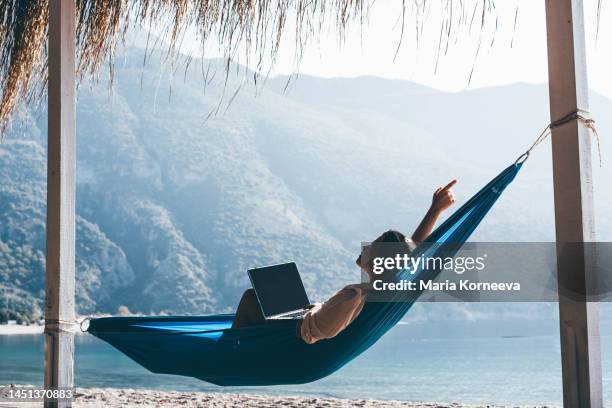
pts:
pixel 206 347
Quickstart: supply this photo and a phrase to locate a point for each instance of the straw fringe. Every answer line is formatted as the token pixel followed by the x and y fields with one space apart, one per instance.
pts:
pixel 258 25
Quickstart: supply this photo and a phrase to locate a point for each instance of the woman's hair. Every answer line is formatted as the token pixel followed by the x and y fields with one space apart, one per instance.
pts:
pixel 387 237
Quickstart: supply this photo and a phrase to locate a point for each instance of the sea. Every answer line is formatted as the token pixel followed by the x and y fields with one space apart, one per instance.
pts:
pixel 512 370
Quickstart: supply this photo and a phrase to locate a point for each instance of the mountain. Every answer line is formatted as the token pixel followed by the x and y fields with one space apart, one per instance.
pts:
pixel 174 203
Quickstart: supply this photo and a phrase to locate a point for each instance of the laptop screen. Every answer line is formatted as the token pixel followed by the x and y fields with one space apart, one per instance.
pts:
pixel 279 289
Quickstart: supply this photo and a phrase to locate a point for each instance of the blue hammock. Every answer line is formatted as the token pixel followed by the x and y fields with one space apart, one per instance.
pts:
pixel 206 347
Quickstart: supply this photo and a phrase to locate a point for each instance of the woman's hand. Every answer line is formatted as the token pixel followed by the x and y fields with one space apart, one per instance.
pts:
pixel 443 197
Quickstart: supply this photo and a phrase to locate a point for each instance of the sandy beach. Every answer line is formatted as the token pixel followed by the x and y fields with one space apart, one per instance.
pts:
pixel 111 398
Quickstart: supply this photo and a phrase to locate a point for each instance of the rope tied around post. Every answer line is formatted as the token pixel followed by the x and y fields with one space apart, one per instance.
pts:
pixel 59 325
pixel 580 115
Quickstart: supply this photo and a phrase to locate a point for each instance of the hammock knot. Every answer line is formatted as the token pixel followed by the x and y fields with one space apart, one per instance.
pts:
pixel 59 325
pixel 581 115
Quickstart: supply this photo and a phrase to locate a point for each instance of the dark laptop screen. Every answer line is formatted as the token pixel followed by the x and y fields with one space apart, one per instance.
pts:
pixel 279 288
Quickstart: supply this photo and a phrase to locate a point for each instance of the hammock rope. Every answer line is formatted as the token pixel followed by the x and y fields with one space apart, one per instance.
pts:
pixel 580 115
pixel 61 325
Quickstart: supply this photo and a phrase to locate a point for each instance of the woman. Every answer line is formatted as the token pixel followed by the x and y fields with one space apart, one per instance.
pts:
pixel 326 320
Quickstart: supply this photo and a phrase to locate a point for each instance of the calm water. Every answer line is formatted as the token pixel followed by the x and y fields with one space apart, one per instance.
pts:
pixel 524 370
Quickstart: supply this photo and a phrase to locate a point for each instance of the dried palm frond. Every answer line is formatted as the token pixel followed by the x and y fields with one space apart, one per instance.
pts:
pixel 256 25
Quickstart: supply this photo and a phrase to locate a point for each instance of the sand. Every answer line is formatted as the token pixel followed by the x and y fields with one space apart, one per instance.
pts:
pixel 115 398
pixel 139 398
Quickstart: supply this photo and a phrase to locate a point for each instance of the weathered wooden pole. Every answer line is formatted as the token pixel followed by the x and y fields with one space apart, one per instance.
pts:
pixel 573 192
pixel 61 162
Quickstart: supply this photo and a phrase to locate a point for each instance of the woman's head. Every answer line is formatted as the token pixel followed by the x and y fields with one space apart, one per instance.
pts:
pixel 386 245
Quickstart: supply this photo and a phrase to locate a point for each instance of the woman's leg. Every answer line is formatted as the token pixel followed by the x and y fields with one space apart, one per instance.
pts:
pixel 248 312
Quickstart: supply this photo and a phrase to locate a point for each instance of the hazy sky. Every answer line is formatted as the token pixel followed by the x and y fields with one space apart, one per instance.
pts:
pixel 370 51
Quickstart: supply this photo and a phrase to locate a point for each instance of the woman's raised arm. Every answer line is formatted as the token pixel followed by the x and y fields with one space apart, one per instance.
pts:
pixel 443 198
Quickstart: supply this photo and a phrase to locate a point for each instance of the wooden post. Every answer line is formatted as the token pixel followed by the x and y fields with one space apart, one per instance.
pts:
pixel 573 192
pixel 61 162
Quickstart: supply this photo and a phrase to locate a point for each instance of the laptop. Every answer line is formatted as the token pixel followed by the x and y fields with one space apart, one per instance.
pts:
pixel 280 291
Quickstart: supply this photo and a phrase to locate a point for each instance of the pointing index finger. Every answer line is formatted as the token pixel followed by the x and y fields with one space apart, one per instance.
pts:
pixel 449 185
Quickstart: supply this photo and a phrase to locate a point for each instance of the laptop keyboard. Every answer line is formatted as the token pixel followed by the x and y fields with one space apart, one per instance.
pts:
pixel 293 315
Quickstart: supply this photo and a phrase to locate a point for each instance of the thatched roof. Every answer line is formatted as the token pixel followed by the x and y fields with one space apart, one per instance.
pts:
pixel 257 24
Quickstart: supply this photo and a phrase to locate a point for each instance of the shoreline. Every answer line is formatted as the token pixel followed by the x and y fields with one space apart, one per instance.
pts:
pixel 17 329
pixel 128 397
